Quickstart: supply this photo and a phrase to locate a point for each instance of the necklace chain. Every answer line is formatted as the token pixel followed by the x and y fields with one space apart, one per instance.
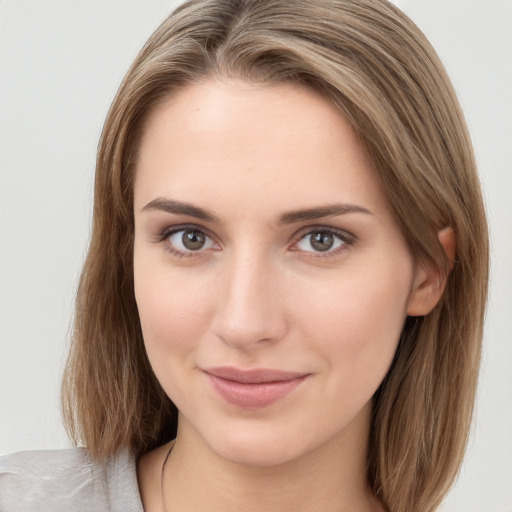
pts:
pixel 162 476
pixel 164 507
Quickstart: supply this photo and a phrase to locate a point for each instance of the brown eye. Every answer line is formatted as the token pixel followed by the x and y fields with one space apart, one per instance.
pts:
pixel 321 241
pixel 190 240
pixel 193 240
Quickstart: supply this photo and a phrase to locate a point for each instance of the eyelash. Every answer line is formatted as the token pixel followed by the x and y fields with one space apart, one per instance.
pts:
pixel 168 232
pixel 346 238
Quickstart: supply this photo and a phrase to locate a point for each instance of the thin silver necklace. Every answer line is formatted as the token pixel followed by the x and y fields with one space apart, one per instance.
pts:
pixel 162 477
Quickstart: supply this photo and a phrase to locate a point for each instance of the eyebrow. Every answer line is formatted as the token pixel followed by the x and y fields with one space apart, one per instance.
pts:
pixel 320 212
pixel 291 217
pixel 181 208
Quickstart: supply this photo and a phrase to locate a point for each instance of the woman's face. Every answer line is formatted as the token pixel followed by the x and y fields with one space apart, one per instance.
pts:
pixel 271 279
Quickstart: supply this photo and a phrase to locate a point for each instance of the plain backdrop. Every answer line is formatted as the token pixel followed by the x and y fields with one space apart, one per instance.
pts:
pixel 61 62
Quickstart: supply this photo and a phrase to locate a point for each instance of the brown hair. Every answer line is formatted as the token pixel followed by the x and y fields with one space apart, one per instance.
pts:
pixel 380 71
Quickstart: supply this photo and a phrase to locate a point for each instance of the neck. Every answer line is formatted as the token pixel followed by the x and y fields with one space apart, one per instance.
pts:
pixel 329 477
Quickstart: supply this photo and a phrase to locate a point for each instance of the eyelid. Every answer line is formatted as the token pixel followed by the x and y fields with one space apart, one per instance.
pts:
pixel 167 232
pixel 348 239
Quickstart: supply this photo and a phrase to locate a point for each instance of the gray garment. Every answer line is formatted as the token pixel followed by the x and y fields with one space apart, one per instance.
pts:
pixel 68 481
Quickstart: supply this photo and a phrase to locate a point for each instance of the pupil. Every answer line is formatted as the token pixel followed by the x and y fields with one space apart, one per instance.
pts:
pixel 193 240
pixel 322 241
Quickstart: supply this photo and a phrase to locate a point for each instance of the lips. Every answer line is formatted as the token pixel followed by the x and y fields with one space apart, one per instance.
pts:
pixel 253 388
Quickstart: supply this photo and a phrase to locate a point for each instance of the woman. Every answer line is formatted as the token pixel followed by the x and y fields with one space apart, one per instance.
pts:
pixel 287 272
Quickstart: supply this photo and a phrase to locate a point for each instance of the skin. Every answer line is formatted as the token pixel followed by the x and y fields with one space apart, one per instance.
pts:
pixel 258 294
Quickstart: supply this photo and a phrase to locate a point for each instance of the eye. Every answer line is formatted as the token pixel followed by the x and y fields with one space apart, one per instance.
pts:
pixel 186 241
pixel 322 241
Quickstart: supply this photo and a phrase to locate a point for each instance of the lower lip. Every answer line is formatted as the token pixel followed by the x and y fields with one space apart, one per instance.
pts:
pixel 252 396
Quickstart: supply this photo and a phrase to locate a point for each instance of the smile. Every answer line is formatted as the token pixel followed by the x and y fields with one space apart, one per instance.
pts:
pixel 253 388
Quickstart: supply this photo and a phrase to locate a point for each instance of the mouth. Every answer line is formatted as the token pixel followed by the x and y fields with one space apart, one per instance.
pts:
pixel 254 388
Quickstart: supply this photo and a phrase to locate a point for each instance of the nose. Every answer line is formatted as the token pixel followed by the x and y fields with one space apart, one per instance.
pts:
pixel 249 313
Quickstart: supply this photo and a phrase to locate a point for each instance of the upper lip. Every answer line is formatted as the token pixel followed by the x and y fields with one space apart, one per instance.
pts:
pixel 253 375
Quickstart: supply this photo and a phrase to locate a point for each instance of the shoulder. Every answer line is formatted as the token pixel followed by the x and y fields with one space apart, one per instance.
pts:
pixel 68 480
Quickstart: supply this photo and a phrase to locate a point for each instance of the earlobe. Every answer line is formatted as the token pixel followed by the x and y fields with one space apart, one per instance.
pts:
pixel 430 281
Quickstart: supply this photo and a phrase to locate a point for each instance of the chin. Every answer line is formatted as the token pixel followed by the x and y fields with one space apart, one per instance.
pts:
pixel 257 454
pixel 259 448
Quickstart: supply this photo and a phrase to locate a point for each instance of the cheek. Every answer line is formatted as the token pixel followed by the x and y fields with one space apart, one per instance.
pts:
pixel 174 312
pixel 356 326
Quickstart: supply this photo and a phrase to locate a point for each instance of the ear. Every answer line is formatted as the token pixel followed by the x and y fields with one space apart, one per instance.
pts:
pixel 430 282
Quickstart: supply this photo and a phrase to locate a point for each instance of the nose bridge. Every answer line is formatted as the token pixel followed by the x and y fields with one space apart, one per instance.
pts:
pixel 249 308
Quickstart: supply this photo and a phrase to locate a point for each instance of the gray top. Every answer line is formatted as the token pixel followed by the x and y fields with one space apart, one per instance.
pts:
pixel 68 481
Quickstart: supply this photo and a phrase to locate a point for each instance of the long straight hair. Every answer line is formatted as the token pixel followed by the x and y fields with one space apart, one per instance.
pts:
pixel 377 67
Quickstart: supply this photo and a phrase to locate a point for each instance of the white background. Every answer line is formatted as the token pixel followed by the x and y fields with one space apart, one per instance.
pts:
pixel 61 62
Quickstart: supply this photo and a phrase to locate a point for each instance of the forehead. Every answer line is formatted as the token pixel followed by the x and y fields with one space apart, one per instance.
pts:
pixel 261 143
